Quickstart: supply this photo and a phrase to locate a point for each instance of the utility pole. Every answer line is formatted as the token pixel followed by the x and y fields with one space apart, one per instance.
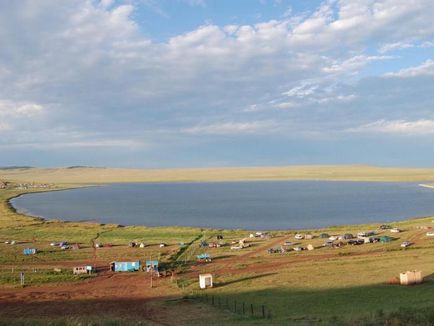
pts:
pixel 152 271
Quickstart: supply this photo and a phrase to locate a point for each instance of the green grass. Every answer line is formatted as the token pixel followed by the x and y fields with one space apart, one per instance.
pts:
pixel 38 276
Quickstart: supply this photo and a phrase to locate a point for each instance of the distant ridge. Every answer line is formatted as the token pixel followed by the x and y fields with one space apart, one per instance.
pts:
pixel 13 167
pixel 95 175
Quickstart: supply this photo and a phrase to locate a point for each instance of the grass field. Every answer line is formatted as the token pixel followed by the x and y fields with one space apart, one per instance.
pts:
pixel 314 172
pixel 326 286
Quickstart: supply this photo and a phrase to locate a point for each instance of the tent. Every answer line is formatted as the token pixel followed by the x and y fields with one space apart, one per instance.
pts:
pixel 385 238
pixel 29 251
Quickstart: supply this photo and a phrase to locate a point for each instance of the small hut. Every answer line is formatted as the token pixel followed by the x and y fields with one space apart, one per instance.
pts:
pixel 410 277
pixel 205 281
pixel 82 270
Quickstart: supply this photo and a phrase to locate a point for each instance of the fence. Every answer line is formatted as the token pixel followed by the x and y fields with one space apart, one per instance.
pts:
pixel 237 306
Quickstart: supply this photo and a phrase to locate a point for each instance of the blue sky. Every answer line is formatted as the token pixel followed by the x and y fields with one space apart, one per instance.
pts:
pixel 198 83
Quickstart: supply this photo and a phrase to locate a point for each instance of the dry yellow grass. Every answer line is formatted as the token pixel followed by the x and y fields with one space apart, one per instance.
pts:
pixel 314 172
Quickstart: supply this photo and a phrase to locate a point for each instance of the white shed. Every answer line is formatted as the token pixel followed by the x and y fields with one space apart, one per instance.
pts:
pixel 205 281
pixel 410 277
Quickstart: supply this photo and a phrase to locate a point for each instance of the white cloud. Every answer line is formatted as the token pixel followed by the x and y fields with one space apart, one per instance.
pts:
pixel 353 64
pixel 425 69
pixel 11 108
pixel 88 65
pixel 398 127
pixel 228 128
pixel 395 46
pixel 303 90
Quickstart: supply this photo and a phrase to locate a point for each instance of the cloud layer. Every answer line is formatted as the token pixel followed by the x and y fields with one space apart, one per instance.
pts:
pixel 85 74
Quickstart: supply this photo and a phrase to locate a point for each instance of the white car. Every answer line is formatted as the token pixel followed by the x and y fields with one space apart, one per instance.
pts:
pixel 333 238
pixel 395 230
pixel 430 234
pixel 299 236
pixel 406 244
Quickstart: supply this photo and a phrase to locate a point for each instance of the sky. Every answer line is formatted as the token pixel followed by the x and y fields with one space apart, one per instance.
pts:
pixel 207 83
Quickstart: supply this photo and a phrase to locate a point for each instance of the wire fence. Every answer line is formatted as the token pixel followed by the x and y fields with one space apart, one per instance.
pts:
pixel 235 305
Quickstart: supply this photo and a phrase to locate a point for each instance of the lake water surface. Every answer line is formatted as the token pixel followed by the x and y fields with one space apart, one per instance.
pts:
pixel 250 205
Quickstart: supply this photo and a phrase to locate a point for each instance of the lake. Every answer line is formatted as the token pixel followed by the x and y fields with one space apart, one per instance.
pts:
pixel 262 205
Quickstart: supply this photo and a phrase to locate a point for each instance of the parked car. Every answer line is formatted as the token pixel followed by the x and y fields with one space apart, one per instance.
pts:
pixel 430 234
pixel 365 234
pixel 395 230
pixel 299 236
pixel 298 248
pixel 406 244
pixel 356 242
pixel 162 245
pixel 385 227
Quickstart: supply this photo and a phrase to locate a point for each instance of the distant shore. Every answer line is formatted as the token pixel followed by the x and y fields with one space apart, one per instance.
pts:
pixel 426 186
pixel 97 175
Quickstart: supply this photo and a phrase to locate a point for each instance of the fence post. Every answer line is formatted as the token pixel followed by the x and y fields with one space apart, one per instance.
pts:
pixel 251 308
pixel 263 311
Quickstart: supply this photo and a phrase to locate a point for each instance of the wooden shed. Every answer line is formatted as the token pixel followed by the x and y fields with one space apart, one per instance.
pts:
pixel 410 277
pixel 205 281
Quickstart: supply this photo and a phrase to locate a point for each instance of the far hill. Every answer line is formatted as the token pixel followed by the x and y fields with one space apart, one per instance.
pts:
pixel 86 175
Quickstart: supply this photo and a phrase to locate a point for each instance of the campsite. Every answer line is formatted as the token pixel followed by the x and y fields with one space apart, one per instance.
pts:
pixel 266 271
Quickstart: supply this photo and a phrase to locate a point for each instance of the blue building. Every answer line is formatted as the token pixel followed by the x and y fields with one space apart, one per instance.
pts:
pixel 130 266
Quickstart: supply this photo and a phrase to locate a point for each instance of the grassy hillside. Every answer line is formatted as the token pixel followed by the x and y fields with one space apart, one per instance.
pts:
pixel 314 172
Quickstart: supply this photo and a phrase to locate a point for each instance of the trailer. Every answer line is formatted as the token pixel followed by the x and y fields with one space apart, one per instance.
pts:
pixel 130 266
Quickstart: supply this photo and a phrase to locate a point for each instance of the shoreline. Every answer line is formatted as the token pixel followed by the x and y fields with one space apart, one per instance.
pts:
pixel 14 210
pixel 426 185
